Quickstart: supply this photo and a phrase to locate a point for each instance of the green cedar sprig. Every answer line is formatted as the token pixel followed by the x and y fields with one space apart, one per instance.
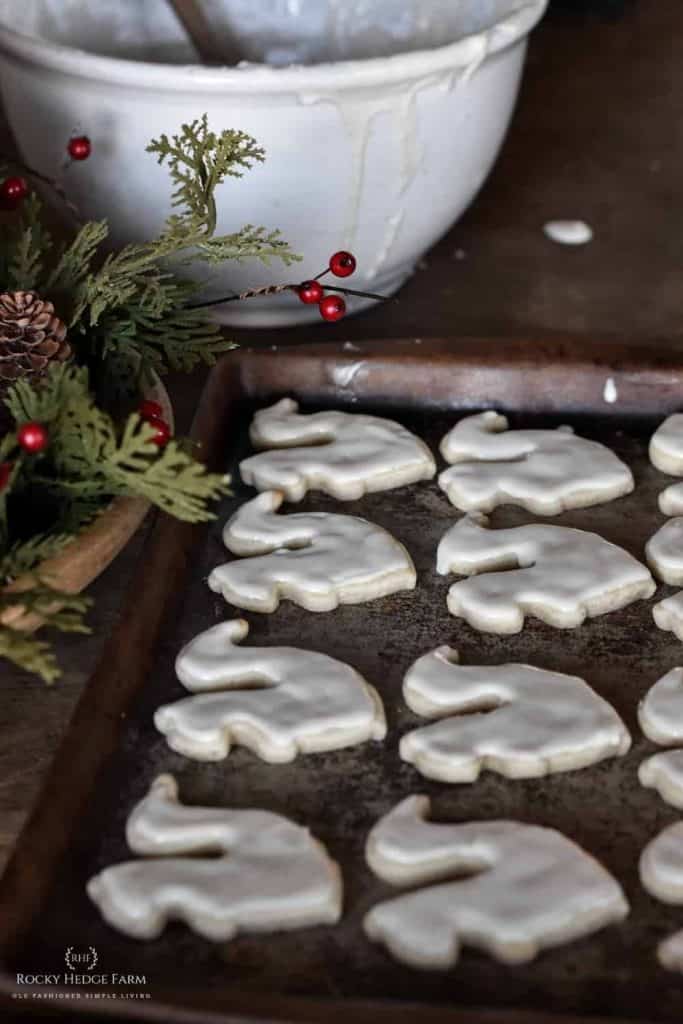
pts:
pixel 128 307
pixel 91 458
pixel 127 312
pixel 28 652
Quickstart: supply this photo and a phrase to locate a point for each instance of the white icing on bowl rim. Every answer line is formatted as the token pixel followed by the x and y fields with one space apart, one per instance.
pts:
pixel 340 76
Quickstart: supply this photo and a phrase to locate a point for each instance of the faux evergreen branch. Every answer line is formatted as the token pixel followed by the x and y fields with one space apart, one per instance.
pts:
pixel 89 458
pixel 170 335
pixel 129 300
pixel 79 325
pixel 60 611
pixel 118 283
pixel 199 161
pixel 26 555
pixel 26 258
pixel 29 653
pixel 7 445
pixel 174 480
pixel 62 385
pixel 248 243
pixel 73 266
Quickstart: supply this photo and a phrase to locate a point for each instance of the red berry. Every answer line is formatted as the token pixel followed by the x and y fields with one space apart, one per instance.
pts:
pixel 162 431
pixel 12 191
pixel 33 437
pixel 149 410
pixel 310 292
pixel 79 147
pixel 342 264
pixel 332 307
pixel 5 473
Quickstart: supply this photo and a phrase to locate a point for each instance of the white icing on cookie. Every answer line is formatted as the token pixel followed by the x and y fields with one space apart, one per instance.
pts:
pixel 562 577
pixel 271 874
pixel 668 614
pixel 670 952
pixel 277 701
pixel 319 560
pixel 610 392
pixel 545 471
pixel 661 865
pixel 671 500
pixel 664 552
pixel 346 455
pixel 568 232
pixel 660 713
pixel 527 888
pixel 661 873
pixel 666 453
pixel 520 721
pixel 666 446
pixel 664 772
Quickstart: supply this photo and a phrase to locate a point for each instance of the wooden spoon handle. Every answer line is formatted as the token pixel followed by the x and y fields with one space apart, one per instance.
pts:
pixel 210 46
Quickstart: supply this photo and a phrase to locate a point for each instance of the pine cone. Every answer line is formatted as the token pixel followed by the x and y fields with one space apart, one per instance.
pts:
pixel 31 337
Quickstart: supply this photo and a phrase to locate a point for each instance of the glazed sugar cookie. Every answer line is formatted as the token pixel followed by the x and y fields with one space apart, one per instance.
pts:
pixel 545 471
pixel 668 614
pixel 519 721
pixel 661 865
pixel 666 446
pixel 664 552
pixel 563 576
pixel 277 701
pixel 664 772
pixel 525 888
pixel 316 559
pixel 671 500
pixel 670 952
pixel 270 874
pixel 660 713
pixel 666 453
pixel 344 454
pixel 661 873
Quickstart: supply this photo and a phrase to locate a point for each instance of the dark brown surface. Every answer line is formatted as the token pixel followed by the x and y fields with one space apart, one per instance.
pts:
pixel 79 826
pixel 597 134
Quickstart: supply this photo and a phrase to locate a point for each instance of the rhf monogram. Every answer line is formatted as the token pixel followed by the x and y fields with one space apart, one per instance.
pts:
pixel 75 960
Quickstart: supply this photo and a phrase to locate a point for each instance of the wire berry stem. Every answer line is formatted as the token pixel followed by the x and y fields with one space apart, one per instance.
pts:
pixel 341 264
pixel 78 148
pixel 52 183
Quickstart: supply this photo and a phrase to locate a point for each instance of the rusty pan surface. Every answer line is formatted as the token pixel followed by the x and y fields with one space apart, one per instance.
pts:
pixel 112 751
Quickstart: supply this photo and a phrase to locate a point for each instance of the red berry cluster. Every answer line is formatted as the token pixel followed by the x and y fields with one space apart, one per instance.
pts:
pixel 152 413
pixel 79 147
pixel 33 437
pixel 13 190
pixel 332 307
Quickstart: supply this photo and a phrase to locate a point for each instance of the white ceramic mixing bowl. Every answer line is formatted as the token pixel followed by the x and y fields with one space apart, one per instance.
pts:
pixel 380 119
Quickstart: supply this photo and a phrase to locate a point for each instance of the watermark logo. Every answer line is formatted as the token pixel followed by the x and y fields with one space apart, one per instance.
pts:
pixel 80 981
pixel 76 960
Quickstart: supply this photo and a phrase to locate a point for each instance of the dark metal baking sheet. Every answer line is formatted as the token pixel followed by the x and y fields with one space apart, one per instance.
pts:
pixel 112 750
